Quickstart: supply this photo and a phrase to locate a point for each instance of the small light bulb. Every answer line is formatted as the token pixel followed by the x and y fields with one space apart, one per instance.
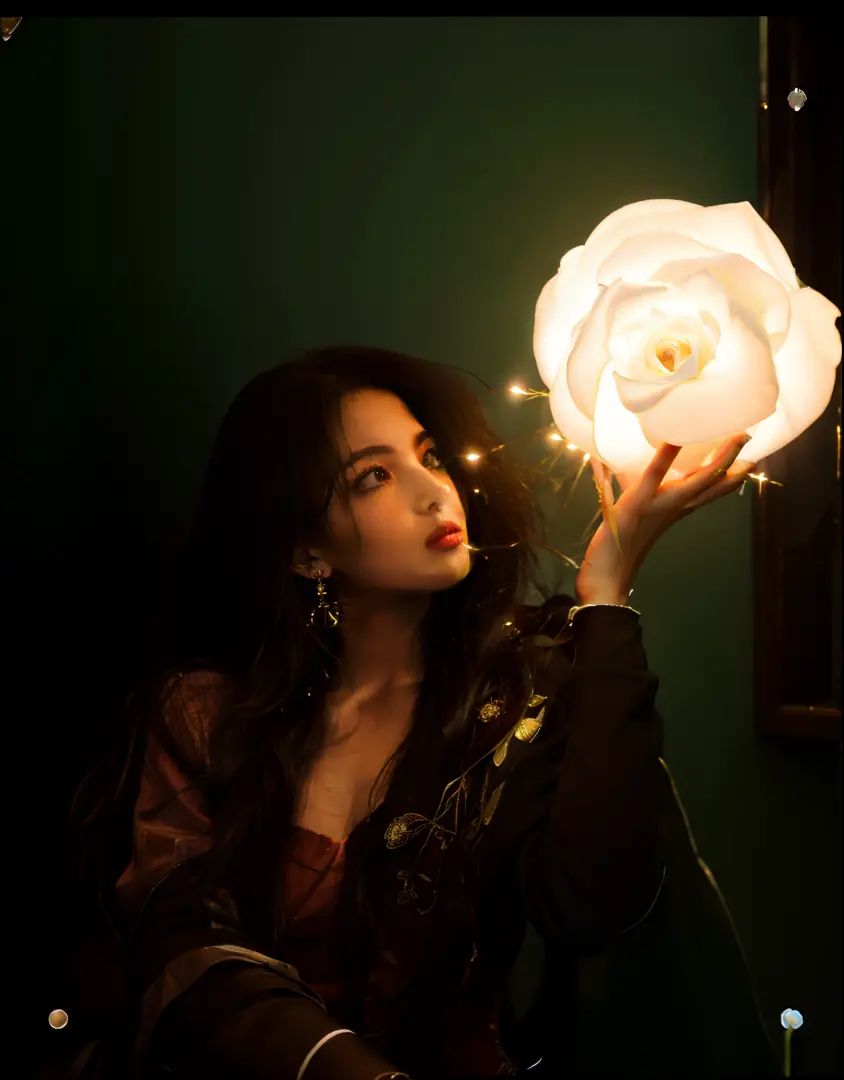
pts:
pixel 797 99
pixel 555 436
pixel 791 1018
pixel 571 446
pixel 586 457
pixel 477 491
pixel 58 1019
pixel 518 390
pixel 473 456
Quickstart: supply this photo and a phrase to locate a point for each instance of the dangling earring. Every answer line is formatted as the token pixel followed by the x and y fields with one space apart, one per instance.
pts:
pixel 324 616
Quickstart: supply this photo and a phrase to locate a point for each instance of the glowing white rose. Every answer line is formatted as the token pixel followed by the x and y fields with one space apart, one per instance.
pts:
pixel 684 324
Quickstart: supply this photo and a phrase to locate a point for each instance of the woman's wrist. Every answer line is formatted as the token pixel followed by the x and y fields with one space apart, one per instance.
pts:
pixel 603 599
pixel 610 594
pixel 610 589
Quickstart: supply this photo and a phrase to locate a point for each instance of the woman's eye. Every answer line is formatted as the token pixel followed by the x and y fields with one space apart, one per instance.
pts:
pixel 380 476
pixel 377 472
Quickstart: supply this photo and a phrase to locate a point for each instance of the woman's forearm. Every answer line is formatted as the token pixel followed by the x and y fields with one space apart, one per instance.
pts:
pixel 593 865
pixel 235 1025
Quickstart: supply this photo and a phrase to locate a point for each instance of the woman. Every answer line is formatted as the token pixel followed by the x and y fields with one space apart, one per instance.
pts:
pixel 367 765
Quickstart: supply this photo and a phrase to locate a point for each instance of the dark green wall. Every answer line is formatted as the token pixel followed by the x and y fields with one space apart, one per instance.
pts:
pixel 192 199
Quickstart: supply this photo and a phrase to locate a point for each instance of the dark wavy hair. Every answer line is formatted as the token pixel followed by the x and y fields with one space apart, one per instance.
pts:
pixel 233 605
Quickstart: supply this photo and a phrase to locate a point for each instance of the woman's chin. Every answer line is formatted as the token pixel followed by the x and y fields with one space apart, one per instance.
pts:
pixel 454 572
pixel 446 571
pixel 439 581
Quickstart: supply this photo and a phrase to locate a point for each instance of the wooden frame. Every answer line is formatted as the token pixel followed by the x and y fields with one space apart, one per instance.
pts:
pixel 797 527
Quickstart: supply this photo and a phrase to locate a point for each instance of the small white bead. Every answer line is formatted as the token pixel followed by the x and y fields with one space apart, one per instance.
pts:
pixel 797 99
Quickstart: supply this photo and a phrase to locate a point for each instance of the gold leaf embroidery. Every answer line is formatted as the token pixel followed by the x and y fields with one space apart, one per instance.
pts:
pixel 500 752
pixel 527 729
pixel 491 806
pixel 402 829
pixel 490 710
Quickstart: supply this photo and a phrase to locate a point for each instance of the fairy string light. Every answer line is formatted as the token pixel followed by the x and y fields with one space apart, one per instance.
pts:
pixel 473 457
pixel 566 448
pixel 529 395
pixel 760 479
pixel 555 436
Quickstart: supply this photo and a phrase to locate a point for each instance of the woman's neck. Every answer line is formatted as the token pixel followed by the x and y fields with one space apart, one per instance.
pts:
pixel 382 649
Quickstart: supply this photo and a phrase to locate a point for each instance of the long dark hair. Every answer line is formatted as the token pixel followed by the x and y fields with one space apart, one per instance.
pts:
pixel 234 606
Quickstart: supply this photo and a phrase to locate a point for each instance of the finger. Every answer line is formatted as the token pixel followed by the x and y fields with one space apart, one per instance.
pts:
pixel 697 482
pixel 662 461
pixel 603 481
pixel 732 481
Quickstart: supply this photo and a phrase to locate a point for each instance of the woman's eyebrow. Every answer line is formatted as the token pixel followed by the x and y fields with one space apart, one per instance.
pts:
pixel 370 451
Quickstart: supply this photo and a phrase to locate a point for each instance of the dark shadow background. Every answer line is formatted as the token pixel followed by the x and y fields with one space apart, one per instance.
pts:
pixel 185 201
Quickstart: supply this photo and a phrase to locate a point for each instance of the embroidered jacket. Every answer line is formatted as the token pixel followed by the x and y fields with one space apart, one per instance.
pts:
pixel 575 831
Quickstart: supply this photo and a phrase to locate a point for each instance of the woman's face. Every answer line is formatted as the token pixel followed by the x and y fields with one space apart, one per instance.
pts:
pixel 399 494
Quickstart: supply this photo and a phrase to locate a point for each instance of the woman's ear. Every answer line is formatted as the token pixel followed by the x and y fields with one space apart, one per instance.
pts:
pixel 307 563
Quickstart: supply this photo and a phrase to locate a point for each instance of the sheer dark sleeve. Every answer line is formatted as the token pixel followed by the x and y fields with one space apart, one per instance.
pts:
pixel 590 860
pixel 204 999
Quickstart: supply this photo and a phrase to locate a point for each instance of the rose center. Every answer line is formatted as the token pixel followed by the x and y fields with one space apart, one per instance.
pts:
pixel 671 352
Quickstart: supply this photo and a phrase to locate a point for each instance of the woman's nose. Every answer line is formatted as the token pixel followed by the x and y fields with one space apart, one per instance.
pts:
pixel 434 489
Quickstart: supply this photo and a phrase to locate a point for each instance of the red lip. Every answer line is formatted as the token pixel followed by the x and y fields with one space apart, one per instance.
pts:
pixel 446 529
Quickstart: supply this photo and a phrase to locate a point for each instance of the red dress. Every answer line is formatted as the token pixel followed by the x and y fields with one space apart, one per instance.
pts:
pixel 312 883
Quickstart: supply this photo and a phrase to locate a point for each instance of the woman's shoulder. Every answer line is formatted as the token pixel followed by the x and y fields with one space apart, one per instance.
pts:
pixel 190 703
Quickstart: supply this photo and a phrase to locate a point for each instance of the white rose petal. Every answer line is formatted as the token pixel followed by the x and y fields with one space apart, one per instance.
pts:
pixel 636 218
pixel 609 235
pixel 576 427
pixel 704 294
pixel 636 397
pixel 556 318
pixel 618 434
pixel 640 354
pixel 639 257
pixel 590 352
pixel 737 227
pixel 805 366
pixel 740 281
pixel 736 389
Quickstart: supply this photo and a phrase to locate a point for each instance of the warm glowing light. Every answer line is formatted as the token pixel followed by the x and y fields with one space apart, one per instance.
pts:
pixel 477 491
pixel 529 395
pixel 761 479
pixel 58 1019
pixel 684 324
pixel 570 446
pixel 473 456
pixel 555 436
pixel 586 457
